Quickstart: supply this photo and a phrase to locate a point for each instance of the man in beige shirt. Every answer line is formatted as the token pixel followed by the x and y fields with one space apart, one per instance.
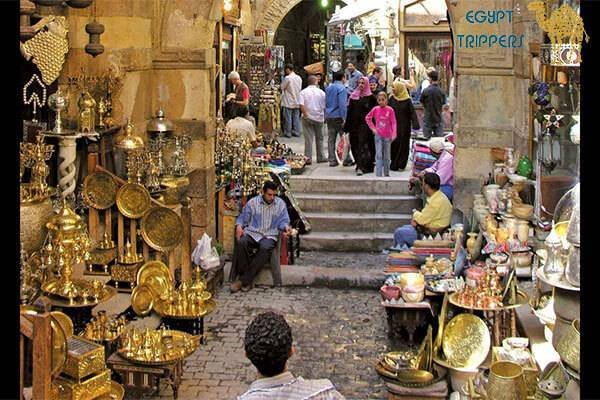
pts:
pixel 242 126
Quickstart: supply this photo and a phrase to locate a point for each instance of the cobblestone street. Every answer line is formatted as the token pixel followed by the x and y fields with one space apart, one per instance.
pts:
pixel 338 335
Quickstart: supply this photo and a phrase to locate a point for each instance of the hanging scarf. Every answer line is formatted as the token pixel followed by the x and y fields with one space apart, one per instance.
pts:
pixel 399 91
pixel 366 90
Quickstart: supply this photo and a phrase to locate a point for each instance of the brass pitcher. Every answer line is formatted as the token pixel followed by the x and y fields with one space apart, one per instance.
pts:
pixel 568 346
pixel 506 382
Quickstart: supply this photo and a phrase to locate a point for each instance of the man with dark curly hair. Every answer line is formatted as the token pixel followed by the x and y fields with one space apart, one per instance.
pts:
pixel 268 345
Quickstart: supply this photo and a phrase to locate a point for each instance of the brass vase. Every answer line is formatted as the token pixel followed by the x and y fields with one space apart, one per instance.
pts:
pixel 568 346
pixel 506 382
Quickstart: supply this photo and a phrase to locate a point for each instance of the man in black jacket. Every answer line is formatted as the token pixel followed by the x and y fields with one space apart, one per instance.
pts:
pixel 433 99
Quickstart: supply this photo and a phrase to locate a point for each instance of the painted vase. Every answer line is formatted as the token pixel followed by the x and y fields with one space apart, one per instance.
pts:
pixel 525 167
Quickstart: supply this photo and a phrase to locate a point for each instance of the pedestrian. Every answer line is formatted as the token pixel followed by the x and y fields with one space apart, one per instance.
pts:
pixel 290 91
pixel 312 106
pixel 241 95
pixel 433 99
pixel 268 346
pixel 381 83
pixel 384 130
pixel 352 78
pixel 406 118
pixel 336 109
pixel 398 72
pixel 257 228
pixel 362 142
pixel 374 85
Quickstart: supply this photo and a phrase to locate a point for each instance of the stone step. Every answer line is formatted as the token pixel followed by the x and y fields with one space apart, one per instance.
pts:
pixel 357 222
pixel 346 241
pixel 354 185
pixel 365 203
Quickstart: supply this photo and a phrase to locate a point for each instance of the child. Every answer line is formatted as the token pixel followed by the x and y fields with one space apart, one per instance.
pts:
pixel 384 130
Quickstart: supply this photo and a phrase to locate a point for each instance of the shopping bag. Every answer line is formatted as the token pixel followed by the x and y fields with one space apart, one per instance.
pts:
pixel 343 148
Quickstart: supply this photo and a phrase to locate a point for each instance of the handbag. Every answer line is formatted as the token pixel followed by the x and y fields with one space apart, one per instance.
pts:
pixel 343 147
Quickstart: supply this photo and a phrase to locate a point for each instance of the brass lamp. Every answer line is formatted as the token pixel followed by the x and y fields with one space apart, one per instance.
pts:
pixel 129 143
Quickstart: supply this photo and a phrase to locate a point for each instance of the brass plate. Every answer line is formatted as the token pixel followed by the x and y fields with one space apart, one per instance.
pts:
pixel 59 339
pixel 162 229
pixel 438 375
pixel 441 324
pixel 107 293
pixel 133 200
pixel 414 376
pixel 178 343
pixel 99 190
pixel 522 298
pixel 117 392
pixel 466 341
pixel 156 275
pixel 207 308
pixel 65 322
pixel 142 300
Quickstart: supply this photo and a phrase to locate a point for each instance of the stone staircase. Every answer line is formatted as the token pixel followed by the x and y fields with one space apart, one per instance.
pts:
pixel 352 213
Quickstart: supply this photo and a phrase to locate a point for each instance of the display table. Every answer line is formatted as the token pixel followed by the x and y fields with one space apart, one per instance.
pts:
pixel 139 380
pixel 409 316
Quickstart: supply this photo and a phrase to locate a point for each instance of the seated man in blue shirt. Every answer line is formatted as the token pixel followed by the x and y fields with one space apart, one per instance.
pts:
pixel 257 228
pixel 268 345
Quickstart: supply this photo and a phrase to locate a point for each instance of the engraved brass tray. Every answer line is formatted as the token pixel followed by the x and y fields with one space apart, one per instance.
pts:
pixel 208 307
pixel 466 341
pixel 102 256
pixel 162 229
pixel 133 200
pixel 107 293
pixel 522 298
pixel 99 190
pixel 64 321
pixel 142 299
pixel 177 352
pixel 155 274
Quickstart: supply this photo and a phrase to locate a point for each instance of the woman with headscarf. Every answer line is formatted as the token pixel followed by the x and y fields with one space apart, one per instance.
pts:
pixel 362 141
pixel 406 117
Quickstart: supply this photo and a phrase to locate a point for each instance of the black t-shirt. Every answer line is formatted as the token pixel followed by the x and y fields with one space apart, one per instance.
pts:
pixel 433 99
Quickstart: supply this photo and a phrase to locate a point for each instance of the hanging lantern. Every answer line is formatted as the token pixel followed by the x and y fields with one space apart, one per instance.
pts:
pixel 94 47
pixel 79 3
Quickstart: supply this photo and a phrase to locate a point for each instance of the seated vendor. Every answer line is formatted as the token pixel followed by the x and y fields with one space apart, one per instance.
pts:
pixel 434 218
pixel 257 228
pixel 242 126
pixel 443 166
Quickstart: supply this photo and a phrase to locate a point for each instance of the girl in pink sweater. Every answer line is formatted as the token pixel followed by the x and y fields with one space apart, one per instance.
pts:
pixel 384 130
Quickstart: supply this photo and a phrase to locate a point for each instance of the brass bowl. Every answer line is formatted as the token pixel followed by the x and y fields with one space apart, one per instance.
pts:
pixel 414 376
pixel 506 381
pixel 569 346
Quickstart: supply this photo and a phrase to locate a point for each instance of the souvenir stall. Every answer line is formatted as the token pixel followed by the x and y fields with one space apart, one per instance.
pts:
pixel 259 66
pixel 109 244
pixel 498 335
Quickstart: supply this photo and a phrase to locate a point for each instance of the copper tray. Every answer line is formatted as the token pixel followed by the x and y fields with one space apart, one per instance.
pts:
pixel 162 229
pixel 522 298
pixel 99 190
pixel 156 275
pixel 133 200
pixel 209 307
pixel 142 300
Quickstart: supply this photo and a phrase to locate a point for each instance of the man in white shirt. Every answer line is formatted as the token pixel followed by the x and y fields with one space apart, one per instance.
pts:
pixel 290 91
pixel 312 105
pixel 242 126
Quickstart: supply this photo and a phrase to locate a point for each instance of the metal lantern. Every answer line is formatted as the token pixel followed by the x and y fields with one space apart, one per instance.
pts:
pixel 94 47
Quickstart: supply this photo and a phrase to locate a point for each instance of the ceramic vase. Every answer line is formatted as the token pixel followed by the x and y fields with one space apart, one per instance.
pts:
pixel 523 231
pixel 471 242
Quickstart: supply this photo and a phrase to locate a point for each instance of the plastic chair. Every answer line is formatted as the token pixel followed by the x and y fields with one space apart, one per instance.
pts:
pixel 274 263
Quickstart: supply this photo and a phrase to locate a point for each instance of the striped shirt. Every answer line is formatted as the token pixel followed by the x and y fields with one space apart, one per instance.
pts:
pixel 285 387
pixel 261 220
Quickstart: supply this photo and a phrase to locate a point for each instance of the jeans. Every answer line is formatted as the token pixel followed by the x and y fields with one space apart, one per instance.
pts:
pixel 313 130
pixel 430 129
pixel 334 128
pixel 382 156
pixel 249 265
pixel 405 235
pixel 292 121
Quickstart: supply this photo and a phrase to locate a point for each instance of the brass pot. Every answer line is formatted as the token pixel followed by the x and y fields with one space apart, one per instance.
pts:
pixel 566 304
pixel 568 346
pixel 33 224
pixel 561 327
pixel 506 381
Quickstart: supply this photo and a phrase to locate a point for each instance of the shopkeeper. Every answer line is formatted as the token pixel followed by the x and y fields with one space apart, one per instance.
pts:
pixel 443 166
pixel 434 218
pixel 242 127
pixel 241 97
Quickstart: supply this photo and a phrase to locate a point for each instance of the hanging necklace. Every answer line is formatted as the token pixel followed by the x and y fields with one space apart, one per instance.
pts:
pixel 34 98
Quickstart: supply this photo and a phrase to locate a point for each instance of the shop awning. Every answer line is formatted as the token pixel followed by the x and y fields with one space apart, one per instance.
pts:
pixel 355 10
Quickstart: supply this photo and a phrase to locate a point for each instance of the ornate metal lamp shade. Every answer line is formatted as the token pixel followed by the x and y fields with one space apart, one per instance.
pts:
pixel 160 124
pixel 94 47
pixel 128 141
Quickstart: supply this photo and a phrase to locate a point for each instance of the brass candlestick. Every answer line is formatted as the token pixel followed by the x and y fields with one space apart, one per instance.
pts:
pixel 34 156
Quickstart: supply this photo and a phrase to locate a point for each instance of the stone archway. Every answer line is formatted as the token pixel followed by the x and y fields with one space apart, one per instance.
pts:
pixel 274 12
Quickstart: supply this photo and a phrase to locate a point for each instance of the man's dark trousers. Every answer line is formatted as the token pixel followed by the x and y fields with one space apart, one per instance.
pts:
pixel 247 265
